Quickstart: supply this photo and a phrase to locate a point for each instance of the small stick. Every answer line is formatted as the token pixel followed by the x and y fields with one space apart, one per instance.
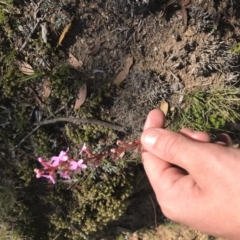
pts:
pixel 30 34
pixel 34 130
pixel 82 120
pixel 176 78
pixel 57 235
pixel 24 139
pixel 40 102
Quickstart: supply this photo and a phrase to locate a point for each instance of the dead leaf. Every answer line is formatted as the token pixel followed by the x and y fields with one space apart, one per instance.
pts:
pixel 39 101
pixel 183 11
pixel 163 107
pixel 46 88
pixel 95 48
pixel 123 74
pixel 65 30
pixel 75 63
pixel 191 31
pixel 44 31
pixel 81 97
pixel 184 15
pixel 185 2
pixel 26 68
pixel 168 7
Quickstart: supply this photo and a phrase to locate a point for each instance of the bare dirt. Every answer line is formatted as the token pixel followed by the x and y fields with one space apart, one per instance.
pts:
pixel 169 58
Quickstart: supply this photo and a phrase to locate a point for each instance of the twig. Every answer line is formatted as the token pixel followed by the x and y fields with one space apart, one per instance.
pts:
pixel 73 182
pixel 25 138
pixel 82 120
pixel 30 35
pixel 176 78
pixel 40 102
pixel 34 130
pixel 57 235
pixel 155 215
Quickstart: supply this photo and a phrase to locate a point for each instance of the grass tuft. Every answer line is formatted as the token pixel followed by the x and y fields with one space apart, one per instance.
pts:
pixel 208 111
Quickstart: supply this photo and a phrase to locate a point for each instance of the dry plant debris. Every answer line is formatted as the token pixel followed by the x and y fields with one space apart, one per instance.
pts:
pixel 184 15
pixel 26 68
pixel 44 31
pixel 64 32
pixel 191 31
pixel 163 105
pixel 183 11
pixel 186 2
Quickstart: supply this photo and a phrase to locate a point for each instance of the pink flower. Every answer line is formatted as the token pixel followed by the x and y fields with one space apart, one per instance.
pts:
pixel 42 173
pixel 40 159
pixel 62 157
pixel 76 166
pixel 80 166
pixel 73 165
pixel 64 174
pixel 50 177
pixel 84 149
pixel 44 163
pixel 38 173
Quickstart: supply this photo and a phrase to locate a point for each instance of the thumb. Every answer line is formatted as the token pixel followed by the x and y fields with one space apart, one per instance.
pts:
pixel 175 148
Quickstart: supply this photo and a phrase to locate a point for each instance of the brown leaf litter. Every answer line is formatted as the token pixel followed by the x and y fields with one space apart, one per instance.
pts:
pixel 123 74
pixel 75 63
pixel 81 97
pixel 26 68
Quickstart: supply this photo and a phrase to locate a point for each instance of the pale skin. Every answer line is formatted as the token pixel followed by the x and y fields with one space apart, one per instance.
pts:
pixel 196 182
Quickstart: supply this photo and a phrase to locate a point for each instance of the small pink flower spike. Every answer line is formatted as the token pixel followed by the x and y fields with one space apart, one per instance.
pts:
pixel 84 149
pixel 62 157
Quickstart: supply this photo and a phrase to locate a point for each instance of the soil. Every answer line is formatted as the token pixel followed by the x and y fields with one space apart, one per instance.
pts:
pixel 169 59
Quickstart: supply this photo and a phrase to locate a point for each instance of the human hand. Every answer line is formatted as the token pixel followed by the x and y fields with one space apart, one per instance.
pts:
pixel 196 182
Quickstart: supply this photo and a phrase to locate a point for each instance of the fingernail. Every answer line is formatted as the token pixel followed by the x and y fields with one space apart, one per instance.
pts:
pixel 150 137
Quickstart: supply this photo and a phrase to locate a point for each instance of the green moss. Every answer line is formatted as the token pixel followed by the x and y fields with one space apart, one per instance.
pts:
pixel 5 6
pixel 235 48
pixel 41 142
pixel 94 203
